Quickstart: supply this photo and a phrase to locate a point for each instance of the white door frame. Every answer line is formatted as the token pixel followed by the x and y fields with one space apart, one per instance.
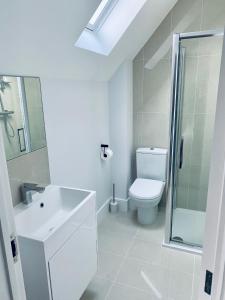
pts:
pixel 14 270
pixel 214 240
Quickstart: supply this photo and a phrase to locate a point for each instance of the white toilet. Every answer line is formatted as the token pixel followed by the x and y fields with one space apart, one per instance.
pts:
pixel 146 191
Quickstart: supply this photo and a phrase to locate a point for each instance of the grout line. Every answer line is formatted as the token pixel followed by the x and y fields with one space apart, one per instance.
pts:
pixel 125 256
pixel 202 14
pixel 115 281
pixel 133 287
pixel 111 253
pixel 121 265
pixel 202 55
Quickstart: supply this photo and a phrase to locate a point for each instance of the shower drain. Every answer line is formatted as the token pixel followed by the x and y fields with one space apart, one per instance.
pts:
pixel 178 239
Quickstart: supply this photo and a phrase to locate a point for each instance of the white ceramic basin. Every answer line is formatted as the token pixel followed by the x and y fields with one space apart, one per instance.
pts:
pixel 58 243
pixel 49 211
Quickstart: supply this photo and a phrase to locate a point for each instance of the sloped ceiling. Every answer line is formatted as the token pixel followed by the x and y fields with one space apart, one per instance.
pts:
pixel 37 38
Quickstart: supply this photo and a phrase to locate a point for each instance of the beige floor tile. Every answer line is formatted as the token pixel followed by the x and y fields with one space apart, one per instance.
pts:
pixel 152 253
pixel 120 292
pixel 114 242
pixel 108 265
pixel 153 233
pixel 132 264
pixel 97 289
pixel 180 261
pixel 121 222
pixel 195 292
pixel 197 267
pixel 180 285
pixel 149 278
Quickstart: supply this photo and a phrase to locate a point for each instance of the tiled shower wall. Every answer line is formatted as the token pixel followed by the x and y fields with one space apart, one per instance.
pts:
pixel 152 93
pixel 201 77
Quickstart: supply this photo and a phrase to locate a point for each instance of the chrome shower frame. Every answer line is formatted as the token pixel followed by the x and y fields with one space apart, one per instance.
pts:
pixel 174 132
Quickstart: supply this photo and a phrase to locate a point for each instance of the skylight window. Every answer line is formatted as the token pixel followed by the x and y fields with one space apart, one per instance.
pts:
pixel 103 10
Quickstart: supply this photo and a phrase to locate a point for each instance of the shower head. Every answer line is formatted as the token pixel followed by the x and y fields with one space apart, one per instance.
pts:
pixel 4 84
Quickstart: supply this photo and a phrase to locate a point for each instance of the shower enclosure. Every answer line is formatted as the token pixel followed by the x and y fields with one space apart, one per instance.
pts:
pixel 196 68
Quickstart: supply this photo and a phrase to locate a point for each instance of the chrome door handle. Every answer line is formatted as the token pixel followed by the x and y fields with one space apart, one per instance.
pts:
pixel 181 153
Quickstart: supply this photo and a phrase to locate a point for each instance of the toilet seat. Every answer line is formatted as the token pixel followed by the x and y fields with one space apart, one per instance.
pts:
pixel 146 189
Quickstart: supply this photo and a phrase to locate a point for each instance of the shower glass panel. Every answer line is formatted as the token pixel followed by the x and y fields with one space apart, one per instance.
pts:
pixel 197 59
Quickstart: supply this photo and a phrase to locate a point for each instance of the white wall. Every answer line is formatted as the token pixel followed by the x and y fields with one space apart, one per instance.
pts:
pixel 76 124
pixel 76 112
pixel 121 113
pixel 39 44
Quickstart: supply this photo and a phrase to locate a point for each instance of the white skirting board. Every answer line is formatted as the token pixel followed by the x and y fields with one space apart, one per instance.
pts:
pixel 103 210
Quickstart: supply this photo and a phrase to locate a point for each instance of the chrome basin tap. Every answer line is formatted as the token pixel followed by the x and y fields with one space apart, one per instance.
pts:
pixel 28 189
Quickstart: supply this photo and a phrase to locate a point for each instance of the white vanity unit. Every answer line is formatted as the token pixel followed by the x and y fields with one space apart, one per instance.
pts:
pixel 58 243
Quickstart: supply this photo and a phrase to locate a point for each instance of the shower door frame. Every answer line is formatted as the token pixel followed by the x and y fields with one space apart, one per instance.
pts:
pixel 174 133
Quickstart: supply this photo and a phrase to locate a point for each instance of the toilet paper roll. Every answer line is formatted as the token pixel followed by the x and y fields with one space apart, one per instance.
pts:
pixel 107 154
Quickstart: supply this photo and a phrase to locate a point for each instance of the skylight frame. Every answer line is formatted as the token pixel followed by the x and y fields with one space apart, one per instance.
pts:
pixel 101 14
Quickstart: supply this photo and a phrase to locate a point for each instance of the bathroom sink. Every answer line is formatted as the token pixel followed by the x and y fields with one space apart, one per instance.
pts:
pixel 49 211
pixel 58 239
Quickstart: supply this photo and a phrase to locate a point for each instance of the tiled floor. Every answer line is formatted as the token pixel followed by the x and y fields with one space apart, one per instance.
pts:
pixel 134 266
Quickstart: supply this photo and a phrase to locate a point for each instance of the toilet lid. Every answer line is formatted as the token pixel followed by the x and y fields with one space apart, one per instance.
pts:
pixel 146 188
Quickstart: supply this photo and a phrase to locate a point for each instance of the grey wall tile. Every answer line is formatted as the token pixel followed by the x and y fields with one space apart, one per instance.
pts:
pixel 198 143
pixel 189 84
pixel 213 14
pixel 186 16
pixel 156 89
pixel 32 167
pixel 211 46
pixel 138 82
pixel 162 33
pixel 155 131
pixel 152 97
pixel 140 55
pixel 207 83
pixel 138 121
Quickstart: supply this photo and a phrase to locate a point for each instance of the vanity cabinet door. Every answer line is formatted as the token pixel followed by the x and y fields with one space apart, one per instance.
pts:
pixel 74 265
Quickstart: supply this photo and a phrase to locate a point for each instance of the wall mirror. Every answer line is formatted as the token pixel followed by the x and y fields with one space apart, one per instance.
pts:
pixel 21 115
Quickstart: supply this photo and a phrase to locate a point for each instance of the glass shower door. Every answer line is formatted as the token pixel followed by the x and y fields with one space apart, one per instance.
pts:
pixel 197 78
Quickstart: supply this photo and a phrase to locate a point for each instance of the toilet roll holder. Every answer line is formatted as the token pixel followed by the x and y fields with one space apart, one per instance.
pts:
pixel 104 147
